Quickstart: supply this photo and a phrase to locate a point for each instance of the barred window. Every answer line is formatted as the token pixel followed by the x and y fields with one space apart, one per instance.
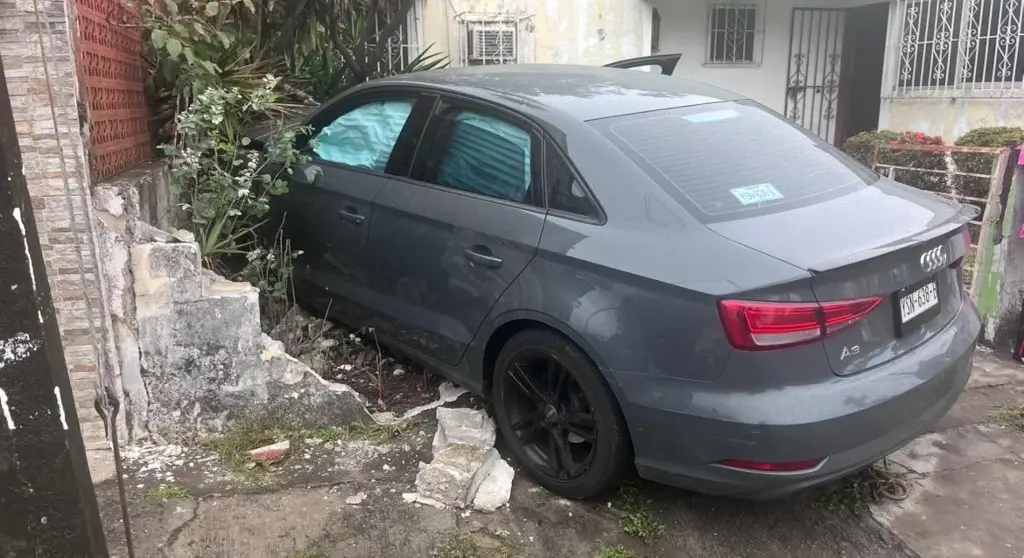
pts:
pixel 961 44
pixel 734 34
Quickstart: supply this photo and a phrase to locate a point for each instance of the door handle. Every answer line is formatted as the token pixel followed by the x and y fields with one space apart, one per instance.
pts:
pixel 351 215
pixel 482 256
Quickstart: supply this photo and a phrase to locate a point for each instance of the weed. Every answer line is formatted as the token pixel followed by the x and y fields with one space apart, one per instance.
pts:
pixel 168 492
pixel 375 433
pixel 857 492
pixel 1012 418
pixel 233 445
pixel 461 546
pixel 617 552
pixel 638 522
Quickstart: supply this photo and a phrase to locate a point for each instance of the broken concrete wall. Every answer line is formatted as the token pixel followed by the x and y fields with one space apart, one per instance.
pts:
pixel 204 358
pixel 191 354
pixel 129 208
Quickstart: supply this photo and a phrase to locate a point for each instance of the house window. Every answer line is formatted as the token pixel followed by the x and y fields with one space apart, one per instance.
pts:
pixel 734 34
pixel 969 46
pixel 491 42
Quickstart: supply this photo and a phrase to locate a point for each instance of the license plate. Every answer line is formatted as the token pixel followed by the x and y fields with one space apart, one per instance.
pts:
pixel 919 301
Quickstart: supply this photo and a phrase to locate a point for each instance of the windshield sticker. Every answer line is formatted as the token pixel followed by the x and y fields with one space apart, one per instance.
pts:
pixel 711 116
pixel 758 193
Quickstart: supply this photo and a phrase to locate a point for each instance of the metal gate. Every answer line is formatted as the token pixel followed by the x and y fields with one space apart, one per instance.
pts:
pixel 815 61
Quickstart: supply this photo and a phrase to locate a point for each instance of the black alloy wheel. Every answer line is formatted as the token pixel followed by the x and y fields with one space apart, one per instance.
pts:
pixel 558 417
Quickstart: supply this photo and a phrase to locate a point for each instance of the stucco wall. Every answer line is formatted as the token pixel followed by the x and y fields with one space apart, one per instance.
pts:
pixel 562 31
pixel 949 118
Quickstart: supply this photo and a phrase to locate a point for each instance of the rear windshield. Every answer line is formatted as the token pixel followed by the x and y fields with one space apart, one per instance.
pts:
pixel 733 159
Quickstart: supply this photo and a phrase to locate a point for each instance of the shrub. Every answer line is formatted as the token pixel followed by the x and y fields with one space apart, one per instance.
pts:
pixel 865 145
pixel 980 163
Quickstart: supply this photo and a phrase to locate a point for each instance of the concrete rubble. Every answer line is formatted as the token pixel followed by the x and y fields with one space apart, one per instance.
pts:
pixel 466 470
pixel 205 359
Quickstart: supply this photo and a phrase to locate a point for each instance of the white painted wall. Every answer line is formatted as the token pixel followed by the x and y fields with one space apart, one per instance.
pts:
pixel 684 30
pixel 552 31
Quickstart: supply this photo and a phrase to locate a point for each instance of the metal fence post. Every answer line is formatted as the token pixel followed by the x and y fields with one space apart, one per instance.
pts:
pixel 47 503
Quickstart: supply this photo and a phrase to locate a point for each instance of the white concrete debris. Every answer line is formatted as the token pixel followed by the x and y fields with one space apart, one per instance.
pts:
pixel 455 474
pixel 463 426
pixel 449 392
pixel 466 469
pixel 496 489
pixel 356 499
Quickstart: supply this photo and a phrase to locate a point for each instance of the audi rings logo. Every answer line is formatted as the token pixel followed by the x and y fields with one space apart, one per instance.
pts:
pixel 933 259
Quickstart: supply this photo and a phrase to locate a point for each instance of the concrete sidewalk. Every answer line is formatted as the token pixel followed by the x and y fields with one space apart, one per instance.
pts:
pixel 968 496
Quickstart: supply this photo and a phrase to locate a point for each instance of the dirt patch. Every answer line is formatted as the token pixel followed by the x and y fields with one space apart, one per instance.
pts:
pixel 389 383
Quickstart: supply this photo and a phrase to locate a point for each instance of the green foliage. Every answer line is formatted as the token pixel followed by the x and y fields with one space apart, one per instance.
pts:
pixel 617 552
pixel 220 68
pixel 638 521
pixel 980 163
pixel 878 147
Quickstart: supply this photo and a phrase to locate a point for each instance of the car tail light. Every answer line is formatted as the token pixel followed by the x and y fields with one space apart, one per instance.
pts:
pixel 965 235
pixel 790 467
pixel 759 326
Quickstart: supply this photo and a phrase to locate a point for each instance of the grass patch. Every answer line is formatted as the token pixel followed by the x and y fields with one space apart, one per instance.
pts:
pixel 168 492
pixel 617 552
pixel 638 522
pixel 858 491
pixel 1012 418
pixel 376 433
pixel 459 546
pixel 233 445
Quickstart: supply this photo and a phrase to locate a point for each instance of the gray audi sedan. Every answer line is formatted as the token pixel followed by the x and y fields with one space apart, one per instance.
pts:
pixel 638 271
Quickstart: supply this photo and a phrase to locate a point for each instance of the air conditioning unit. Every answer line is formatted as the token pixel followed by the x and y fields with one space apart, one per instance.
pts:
pixel 493 43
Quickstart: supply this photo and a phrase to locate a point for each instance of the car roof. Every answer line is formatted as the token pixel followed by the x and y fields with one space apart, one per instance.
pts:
pixel 578 92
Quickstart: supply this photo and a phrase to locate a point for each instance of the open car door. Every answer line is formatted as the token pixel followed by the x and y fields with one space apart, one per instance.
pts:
pixel 667 62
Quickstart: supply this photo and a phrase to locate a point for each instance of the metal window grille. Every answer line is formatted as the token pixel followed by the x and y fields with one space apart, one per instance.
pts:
pixel 492 43
pixel 402 45
pixel 735 34
pixel 959 48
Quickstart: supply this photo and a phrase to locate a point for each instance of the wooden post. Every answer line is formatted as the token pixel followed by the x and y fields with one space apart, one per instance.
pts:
pixel 1000 169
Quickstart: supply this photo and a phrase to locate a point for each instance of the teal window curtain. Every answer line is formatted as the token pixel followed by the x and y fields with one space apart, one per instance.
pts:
pixel 487 156
pixel 364 137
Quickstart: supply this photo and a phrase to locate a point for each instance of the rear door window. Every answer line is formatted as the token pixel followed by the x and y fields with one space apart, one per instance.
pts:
pixel 733 159
pixel 481 153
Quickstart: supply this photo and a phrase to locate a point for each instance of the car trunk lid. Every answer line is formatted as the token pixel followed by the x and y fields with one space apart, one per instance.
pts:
pixel 886 240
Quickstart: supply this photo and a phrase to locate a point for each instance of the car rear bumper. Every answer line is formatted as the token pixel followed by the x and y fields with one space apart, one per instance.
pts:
pixel 851 421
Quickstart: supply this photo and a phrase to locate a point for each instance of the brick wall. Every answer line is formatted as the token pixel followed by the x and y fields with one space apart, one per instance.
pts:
pixel 57 184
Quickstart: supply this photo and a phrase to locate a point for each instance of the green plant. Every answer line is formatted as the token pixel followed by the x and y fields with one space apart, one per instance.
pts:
pixel 858 491
pixel 460 546
pixel 981 163
pixel 168 492
pixel 1012 417
pixel 616 552
pixel 638 522
pixel 882 147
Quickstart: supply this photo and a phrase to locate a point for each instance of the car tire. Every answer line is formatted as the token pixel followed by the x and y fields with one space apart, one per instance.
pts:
pixel 610 452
